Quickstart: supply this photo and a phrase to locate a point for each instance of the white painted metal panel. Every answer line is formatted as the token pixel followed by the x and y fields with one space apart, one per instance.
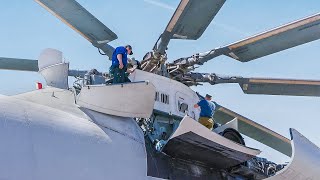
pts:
pixel 56 75
pixel 194 142
pixel 191 125
pixel 53 69
pixel 60 99
pixel 39 142
pixel 49 57
pixel 162 85
pixel 125 100
pixel 170 87
pixel 305 164
pixel 232 124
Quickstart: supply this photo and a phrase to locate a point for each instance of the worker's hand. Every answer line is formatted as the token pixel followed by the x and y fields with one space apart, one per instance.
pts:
pixel 131 70
pixel 120 66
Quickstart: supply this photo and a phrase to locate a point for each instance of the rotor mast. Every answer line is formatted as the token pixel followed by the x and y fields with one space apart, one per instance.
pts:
pixel 188 22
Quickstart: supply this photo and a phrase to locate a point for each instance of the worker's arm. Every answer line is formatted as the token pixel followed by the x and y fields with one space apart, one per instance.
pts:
pixel 119 57
pixel 199 104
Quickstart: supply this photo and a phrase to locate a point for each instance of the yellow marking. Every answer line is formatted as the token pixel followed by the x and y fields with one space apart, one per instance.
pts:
pixel 276 31
pixel 177 15
pixel 63 20
pixel 254 124
pixel 285 81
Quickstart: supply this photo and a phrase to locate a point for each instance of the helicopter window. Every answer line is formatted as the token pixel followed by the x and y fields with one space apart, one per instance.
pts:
pixel 167 99
pixel 157 96
pixel 164 98
pixel 183 107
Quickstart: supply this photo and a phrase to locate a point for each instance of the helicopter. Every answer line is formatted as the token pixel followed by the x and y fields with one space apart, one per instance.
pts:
pixel 66 130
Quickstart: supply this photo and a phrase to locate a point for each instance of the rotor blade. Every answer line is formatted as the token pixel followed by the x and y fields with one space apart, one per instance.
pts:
pixel 190 20
pixel 79 19
pixel 290 87
pixel 254 130
pixel 30 65
pixel 19 64
pixel 275 40
pixel 280 87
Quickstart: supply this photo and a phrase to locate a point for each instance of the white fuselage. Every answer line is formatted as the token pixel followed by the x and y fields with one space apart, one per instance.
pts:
pixel 45 135
pixel 48 137
pixel 170 94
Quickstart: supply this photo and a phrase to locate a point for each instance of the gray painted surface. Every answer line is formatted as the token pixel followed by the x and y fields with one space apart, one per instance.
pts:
pixel 280 87
pixel 266 43
pixel 79 19
pixel 278 39
pixel 194 142
pixel 18 64
pixel 184 24
pixel 254 130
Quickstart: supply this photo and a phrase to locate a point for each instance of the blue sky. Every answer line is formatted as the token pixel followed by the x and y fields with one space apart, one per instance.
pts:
pixel 27 29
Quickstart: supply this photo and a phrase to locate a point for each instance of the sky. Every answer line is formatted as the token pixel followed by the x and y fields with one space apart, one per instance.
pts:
pixel 27 29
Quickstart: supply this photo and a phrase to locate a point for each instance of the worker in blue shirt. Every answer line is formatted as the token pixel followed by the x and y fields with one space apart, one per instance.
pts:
pixel 207 111
pixel 119 63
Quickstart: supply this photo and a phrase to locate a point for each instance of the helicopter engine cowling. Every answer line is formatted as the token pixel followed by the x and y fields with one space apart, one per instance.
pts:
pixel 40 142
pixel 53 69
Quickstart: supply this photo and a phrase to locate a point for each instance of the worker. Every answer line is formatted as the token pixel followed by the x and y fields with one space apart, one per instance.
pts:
pixel 207 111
pixel 119 63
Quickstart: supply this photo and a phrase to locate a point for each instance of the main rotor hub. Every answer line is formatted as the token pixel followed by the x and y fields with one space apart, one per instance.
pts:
pixel 155 63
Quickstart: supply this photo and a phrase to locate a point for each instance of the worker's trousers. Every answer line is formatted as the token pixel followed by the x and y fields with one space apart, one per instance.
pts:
pixel 119 75
pixel 207 122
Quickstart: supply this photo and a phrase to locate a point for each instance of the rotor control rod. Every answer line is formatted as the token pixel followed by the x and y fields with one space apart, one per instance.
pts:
pixel 193 78
pixel 266 86
pixel 154 63
pixel 77 73
pixel 198 58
